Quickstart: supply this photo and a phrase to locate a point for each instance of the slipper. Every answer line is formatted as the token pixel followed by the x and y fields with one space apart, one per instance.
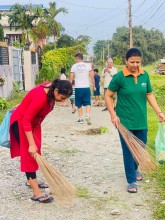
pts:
pixel 130 186
pixel 138 174
pixel 41 185
pixel 39 199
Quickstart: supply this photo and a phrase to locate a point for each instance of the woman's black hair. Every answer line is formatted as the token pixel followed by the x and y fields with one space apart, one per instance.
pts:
pixel 133 52
pixel 64 88
pixel 63 70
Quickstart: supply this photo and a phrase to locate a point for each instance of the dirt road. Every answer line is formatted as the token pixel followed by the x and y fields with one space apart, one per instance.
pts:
pixel 92 162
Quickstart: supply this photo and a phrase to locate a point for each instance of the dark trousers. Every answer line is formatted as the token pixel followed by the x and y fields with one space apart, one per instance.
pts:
pixel 129 163
pixel 15 128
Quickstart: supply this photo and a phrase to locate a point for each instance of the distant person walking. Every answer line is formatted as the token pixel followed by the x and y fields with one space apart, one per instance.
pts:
pixel 63 77
pixel 108 72
pixel 63 74
pixel 81 71
pixel 96 93
pixel 72 98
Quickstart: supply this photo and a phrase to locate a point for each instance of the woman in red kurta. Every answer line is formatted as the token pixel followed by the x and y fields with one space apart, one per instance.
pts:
pixel 25 128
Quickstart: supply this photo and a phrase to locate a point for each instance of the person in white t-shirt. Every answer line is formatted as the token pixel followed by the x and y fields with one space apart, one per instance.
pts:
pixel 80 72
pixel 108 72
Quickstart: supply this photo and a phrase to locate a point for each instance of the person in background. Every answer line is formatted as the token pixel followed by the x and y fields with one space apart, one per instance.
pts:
pixel 63 74
pixel 25 129
pixel 96 93
pixel 81 71
pixel 63 77
pixel 107 74
pixel 72 98
pixel 134 89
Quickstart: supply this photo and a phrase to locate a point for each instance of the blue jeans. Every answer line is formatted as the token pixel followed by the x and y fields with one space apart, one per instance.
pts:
pixel 129 163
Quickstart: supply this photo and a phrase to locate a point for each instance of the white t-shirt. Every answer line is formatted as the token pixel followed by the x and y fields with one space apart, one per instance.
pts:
pixel 108 76
pixel 81 72
pixel 63 76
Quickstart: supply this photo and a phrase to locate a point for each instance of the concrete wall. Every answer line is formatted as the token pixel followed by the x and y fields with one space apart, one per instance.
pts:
pixel 6 73
pixel 30 71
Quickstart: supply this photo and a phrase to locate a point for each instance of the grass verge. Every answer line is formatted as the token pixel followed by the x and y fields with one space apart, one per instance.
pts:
pixel 158 84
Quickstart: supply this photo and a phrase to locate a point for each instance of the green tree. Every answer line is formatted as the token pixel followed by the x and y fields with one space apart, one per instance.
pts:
pixel 83 40
pixel 100 47
pixel 150 42
pixel 21 17
pixel 1 33
pixel 65 41
pixel 54 27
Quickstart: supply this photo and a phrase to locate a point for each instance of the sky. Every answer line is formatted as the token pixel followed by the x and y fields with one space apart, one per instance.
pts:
pixel 100 18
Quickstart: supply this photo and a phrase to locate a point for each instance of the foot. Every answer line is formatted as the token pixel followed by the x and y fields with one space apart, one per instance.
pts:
pixel 42 198
pixel 105 109
pixel 138 176
pixel 132 188
pixel 80 121
pixel 41 185
pixel 88 120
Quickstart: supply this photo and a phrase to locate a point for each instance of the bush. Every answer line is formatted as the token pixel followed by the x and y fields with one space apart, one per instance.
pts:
pixel 3 103
pixel 53 60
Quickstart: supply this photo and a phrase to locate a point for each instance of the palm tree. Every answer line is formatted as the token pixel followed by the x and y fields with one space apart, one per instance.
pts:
pixel 54 26
pixel 21 17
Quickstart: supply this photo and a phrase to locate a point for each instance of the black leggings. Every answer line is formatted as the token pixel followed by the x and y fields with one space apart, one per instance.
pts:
pixel 29 175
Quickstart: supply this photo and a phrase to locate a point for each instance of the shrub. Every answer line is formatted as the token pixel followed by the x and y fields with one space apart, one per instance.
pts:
pixel 3 103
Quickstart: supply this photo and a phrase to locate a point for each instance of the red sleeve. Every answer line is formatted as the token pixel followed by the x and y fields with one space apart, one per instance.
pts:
pixel 33 109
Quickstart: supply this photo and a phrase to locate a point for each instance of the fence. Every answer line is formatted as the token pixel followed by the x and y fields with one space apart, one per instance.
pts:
pixel 17 66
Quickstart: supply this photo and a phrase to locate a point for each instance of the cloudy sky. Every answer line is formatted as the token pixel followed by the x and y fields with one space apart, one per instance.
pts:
pixel 100 18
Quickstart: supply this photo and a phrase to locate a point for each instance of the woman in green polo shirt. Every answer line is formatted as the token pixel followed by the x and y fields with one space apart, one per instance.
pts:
pixel 133 88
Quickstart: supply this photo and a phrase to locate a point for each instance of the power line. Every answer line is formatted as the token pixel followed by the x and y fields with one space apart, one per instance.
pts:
pixel 153 14
pixel 85 6
pixel 138 7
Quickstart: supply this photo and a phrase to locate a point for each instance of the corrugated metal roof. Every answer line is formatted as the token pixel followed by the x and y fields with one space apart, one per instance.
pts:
pixel 7 7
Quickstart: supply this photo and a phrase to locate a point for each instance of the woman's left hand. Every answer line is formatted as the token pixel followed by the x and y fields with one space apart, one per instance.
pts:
pixel 161 116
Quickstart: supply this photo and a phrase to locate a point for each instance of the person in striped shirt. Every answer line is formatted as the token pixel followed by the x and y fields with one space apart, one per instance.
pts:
pixel 72 98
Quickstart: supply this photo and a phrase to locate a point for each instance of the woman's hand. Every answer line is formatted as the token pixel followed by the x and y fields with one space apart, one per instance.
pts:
pixel 161 116
pixel 33 150
pixel 115 120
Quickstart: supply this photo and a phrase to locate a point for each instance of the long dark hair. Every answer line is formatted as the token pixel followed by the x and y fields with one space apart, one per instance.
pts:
pixel 64 88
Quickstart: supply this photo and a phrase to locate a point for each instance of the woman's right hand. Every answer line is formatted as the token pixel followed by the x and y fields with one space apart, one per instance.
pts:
pixel 115 120
pixel 33 150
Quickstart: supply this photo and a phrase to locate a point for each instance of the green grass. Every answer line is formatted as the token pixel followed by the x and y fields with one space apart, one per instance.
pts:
pixel 83 192
pixel 158 83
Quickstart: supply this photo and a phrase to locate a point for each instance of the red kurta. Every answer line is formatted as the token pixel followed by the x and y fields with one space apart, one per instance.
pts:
pixel 29 115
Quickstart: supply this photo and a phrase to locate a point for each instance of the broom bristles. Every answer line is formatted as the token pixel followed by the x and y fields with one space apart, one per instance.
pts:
pixel 138 150
pixel 60 187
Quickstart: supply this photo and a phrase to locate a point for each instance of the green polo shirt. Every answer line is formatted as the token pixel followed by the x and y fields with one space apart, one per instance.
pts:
pixel 131 99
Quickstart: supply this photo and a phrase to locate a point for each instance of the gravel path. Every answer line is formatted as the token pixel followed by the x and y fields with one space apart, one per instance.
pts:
pixel 92 162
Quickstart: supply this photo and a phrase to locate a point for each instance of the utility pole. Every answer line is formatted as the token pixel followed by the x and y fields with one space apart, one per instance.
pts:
pixel 130 24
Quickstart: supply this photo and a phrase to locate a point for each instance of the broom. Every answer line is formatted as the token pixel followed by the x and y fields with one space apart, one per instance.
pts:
pixel 145 161
pixel 60 187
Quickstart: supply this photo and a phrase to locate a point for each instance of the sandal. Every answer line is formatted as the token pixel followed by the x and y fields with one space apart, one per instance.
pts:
pixel 132 186
pixel 41 185
pixel 139 176
pixel 46 199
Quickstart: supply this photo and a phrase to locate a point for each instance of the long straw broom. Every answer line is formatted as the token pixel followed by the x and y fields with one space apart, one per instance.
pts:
pixel 138 150
pixel 60 187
